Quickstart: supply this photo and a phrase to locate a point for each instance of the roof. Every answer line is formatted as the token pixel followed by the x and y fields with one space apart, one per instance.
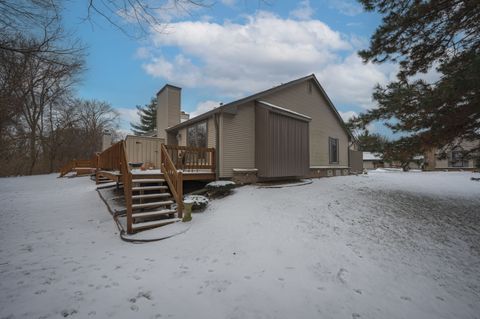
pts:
pixel 369 156
pixel 261 94
pixel 284 110
pixel 170 86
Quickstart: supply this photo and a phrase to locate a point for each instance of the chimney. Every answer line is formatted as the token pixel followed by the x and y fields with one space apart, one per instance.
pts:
pixel 106 140
pixel 184 117
pixel 168 109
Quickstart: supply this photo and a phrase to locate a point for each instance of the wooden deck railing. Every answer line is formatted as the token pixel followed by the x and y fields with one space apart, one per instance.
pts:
pixel 110 158
pixel 71 165
pixel 127 184
pixel 188 158
pixel 173 177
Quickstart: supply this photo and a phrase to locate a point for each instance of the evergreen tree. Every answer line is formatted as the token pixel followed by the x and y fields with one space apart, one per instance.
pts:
pixel 148 118
pixel 371 142
pixel 421 35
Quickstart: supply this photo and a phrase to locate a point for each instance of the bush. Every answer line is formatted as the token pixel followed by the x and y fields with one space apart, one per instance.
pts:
pixel 219 188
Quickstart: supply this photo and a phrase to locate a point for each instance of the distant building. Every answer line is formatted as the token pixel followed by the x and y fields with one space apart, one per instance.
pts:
pixel 456 157
pixel 375 160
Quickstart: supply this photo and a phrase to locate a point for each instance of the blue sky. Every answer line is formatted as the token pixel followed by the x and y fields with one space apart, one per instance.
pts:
pixel 229 50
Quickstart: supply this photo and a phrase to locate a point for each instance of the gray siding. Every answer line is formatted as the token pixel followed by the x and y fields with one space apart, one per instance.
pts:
pixel 356 160
pixel 281 144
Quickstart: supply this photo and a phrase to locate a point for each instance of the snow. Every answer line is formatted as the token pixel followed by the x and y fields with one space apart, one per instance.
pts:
pixel 369 156
pixel 198 199
pixel 220 184
pixel 382 245
pixel 247 170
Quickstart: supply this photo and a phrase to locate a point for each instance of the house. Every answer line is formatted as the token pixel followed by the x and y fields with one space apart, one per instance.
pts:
pixel 455 157
pixel 375 160
pixel 372 160
pixel 291 130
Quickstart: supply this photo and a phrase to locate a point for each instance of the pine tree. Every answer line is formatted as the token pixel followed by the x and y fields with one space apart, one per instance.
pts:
pixel 421 35
pixel 371 142
pixel 148 118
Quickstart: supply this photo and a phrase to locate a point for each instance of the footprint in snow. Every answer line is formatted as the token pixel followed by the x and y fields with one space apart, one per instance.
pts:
pixel 341 275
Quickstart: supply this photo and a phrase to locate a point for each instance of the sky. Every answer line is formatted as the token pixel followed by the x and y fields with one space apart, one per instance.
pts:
pixel 230 50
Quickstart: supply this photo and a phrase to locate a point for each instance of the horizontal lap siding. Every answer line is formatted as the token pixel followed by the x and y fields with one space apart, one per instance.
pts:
pixel 238 140
pixel 324 123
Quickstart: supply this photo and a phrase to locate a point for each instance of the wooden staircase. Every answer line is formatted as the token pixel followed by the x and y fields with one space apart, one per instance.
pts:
pixel 152 204
pixel 154 200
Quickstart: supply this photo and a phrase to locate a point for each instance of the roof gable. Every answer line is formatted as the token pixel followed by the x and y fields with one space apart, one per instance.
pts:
pixel 264 93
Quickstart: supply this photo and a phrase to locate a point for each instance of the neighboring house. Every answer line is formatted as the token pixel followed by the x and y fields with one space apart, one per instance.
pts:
pixel 372 160
pixel 292 130
pixel 375 160
pixel 455 158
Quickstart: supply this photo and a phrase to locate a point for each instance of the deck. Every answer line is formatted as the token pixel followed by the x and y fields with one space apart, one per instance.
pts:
pixel 194 175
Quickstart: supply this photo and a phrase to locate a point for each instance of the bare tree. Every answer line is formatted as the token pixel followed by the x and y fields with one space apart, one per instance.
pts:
pixel 94 117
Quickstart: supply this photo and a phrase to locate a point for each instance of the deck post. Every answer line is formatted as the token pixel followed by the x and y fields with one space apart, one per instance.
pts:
pixel 180 194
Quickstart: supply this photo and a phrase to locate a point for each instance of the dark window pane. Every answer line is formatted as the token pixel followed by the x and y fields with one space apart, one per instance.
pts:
pixel 333 150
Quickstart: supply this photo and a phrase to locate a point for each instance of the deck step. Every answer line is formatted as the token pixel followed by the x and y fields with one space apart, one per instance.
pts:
pixel 149 188
pixel 154 213
pixel 151 195
pixel 163 203
pixel 152 224
pixel 146 180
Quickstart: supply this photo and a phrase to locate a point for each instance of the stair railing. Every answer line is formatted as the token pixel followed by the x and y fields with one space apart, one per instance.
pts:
pixel 127 184
pixel 173 177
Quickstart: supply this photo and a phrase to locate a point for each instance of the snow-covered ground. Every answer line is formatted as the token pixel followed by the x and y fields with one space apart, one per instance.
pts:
pixel 386 245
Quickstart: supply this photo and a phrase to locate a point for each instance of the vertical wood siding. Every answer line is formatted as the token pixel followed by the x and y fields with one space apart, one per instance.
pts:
pixel 281 145
pixel 324 122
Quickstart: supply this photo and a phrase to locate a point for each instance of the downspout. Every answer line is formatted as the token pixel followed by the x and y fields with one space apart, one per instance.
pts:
pixel 217 144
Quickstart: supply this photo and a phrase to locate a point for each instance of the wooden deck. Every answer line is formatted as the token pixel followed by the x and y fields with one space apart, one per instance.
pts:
pixel 116 176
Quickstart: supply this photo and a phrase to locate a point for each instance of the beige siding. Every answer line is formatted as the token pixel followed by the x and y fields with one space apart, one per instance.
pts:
pixel 237 141
pixel 443 163
pixel 143 149
pixel 173 107
pixel 368 165
pixel 162 122
pixel 324 122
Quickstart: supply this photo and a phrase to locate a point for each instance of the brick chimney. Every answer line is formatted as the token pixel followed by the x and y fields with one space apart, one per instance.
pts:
pixel 168 108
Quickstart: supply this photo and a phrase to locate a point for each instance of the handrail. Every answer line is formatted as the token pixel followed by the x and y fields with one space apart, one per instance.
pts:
pixel 127 183
pixel 110 158
pixel 69 166
pixel 192 158
pixel 173 177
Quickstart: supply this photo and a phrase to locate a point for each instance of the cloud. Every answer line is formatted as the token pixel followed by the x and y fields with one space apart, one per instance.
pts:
pixel 264 50
pixel 346 7
pixel 304 11
pixel 203 107
pixel 238 58
pixel 127 116
pixel 229 3
pixel 351 81
pixel 346 116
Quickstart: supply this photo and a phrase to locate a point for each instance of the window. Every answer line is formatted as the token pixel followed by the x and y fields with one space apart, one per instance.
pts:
pixel 333 150
pixel 457 158
pixel 197 135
